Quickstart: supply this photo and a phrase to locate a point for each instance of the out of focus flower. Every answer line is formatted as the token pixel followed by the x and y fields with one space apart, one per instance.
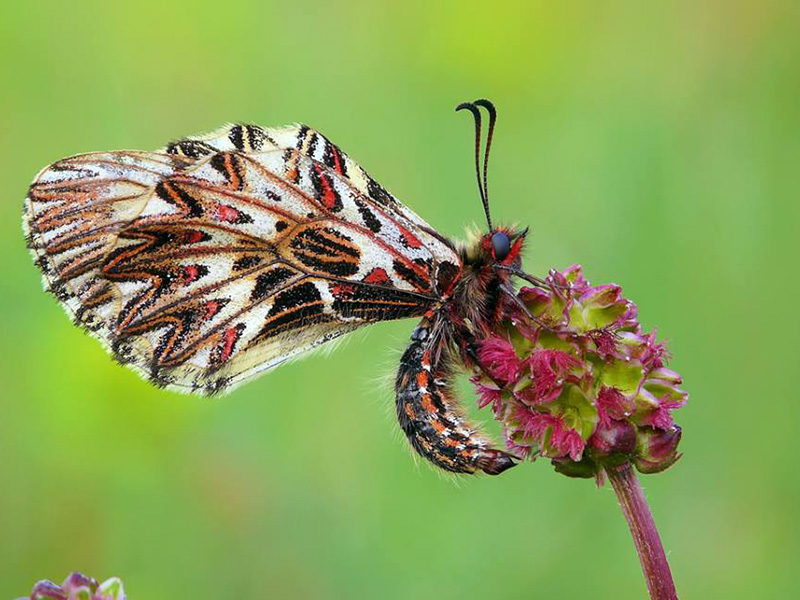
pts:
pixel 78 586
pixel 576 380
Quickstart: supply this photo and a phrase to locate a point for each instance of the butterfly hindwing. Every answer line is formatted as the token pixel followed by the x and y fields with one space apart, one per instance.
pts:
pixel 225 255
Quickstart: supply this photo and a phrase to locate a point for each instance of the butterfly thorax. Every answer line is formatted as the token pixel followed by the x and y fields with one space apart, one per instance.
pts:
pixel 477 298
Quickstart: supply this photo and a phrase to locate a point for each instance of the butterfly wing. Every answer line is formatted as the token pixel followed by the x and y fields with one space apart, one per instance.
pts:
pixel 225 255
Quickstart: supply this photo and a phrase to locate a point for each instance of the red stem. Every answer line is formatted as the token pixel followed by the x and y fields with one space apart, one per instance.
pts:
pixel 645 535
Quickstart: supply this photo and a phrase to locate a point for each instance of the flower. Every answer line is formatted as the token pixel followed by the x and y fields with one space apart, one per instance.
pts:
pixel 500 359
pixel 488 393
pixel 575 379
pixel 548 371
pixel 78 586
pixel 613 405
pixel 656 449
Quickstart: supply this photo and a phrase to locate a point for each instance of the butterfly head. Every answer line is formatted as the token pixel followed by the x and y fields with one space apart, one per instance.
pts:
pixel 504 246
pixel 501 246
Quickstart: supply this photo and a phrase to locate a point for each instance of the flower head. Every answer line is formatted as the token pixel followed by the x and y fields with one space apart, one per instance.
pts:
pixel 575 379
pixel 78 586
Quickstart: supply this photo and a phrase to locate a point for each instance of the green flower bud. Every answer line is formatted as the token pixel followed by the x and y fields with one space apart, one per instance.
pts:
pixel 656 449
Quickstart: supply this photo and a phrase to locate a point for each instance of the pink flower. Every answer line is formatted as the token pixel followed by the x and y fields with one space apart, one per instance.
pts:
pixel 533 422
pixel 612 404
pixel 573 274
pixel 488 393
pixel 563 440
pixel 533 297
pixel 661 417
pixel 78 586
pixel 657 449
pixel 602 295
pixel 567 441
pixel 499 358
pixel 548 370
pixel 613 437
pixel 652 353
pixel 518 449
pixel 605 342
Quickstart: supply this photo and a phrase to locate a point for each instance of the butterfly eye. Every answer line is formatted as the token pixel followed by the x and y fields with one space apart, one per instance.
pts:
pixel 501 245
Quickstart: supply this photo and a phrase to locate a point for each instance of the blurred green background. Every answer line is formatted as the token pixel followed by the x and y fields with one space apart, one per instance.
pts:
pixel 655 143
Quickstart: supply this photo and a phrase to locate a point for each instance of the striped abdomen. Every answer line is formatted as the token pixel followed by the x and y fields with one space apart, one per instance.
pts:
pixel 430 415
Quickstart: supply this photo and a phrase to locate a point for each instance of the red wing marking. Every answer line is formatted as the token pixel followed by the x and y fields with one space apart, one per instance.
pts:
pixel 228 342
pixel 409 239
pixel 377 276
pixel 326 192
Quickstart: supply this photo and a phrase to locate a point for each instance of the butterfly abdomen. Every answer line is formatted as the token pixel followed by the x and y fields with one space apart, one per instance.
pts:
pixel 430 415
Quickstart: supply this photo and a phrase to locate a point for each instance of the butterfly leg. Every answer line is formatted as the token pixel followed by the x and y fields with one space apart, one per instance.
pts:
pixel 430 415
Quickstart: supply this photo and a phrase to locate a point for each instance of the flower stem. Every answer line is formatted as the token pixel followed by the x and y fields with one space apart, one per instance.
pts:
pixel 645 535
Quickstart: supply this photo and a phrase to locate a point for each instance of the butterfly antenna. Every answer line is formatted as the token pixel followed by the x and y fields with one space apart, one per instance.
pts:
pixel 476 114
pixel 487 104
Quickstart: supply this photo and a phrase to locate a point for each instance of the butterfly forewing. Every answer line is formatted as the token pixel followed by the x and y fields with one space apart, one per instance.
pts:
pixel 227 254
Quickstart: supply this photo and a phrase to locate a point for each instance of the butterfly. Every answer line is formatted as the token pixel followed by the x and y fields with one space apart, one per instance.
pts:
pixel 218 257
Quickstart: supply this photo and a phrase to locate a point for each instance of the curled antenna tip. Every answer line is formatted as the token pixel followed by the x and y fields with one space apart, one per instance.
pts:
pixel 487 104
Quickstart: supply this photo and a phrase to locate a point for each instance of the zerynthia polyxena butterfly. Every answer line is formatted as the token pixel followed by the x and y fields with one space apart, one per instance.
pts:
pixel 221 256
